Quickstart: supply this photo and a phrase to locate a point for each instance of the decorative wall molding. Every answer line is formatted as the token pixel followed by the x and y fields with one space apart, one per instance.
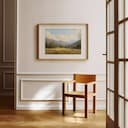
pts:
pixel 24 99
pixel 43 74
pixel 4 60
pixel 7 67
pixel 55 73
pixel 100 77
pixel 4 81
pixel 7 94
pixel 31 80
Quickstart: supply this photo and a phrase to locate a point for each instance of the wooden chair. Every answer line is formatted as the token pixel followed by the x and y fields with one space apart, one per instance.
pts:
pixel 87 80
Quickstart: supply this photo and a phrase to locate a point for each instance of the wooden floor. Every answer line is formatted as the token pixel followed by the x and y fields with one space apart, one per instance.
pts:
pixel 50 119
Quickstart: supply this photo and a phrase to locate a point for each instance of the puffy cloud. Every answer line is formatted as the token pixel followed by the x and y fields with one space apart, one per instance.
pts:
pixel 64 37
pixel 50 36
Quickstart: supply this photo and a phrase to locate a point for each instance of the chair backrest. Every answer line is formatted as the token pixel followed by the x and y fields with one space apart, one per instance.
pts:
pixel 84 78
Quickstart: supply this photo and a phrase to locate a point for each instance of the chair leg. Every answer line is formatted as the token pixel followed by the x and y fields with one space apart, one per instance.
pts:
pixel 63 100
pixel 74 104
pixel 94 104
pixel 63 105
pixel 86 102
pixel 94 98
pixel 74 99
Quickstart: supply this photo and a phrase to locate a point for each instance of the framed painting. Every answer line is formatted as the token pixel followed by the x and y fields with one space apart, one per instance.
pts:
pixel 62 41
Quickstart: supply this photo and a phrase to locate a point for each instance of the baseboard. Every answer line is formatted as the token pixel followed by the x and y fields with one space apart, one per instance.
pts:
pixel 100 105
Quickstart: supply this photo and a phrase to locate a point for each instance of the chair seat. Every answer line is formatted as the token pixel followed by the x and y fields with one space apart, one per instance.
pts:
pixel 78 93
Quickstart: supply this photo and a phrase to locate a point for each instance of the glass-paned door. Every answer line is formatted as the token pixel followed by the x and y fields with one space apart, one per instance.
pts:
pixel 123 63
pixel 117 63
pixel 110 62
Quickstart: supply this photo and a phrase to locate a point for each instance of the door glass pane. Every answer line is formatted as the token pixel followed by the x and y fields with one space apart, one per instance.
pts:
pixel 111 47
pixel 111 76
pixel 108 18
pixel 126 80
pixel 121 41
pixel 126 39
pixel 108 103
pixel 108 75
pixel 121 112
pixel 111 14
pixel 126 114
pixel 126 8
pixel 111 105
pixel 121 9
pixel 121 78
pixel 108 45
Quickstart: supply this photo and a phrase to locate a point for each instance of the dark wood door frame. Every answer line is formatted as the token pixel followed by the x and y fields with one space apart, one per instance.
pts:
pixel 109 122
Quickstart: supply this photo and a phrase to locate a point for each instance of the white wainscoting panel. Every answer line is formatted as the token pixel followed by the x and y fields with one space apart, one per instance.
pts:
pixel 44 92
pixel 40 89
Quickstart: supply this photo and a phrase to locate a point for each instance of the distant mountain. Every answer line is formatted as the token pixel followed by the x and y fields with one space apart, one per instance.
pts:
pixel 50 43
pixel 76 45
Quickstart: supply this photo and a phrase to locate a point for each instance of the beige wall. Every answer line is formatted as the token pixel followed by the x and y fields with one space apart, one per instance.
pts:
pixel 39 75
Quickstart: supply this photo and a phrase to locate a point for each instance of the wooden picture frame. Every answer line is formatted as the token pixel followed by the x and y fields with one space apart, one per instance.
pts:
pixel 62 41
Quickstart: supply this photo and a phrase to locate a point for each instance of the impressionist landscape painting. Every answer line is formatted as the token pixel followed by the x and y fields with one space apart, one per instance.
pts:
pixel 63 41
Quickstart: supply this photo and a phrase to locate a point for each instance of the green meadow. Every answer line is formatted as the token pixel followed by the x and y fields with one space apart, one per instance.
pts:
pixel 62 51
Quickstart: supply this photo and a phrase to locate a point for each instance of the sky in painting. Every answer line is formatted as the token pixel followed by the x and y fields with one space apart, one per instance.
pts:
pixel 64 34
